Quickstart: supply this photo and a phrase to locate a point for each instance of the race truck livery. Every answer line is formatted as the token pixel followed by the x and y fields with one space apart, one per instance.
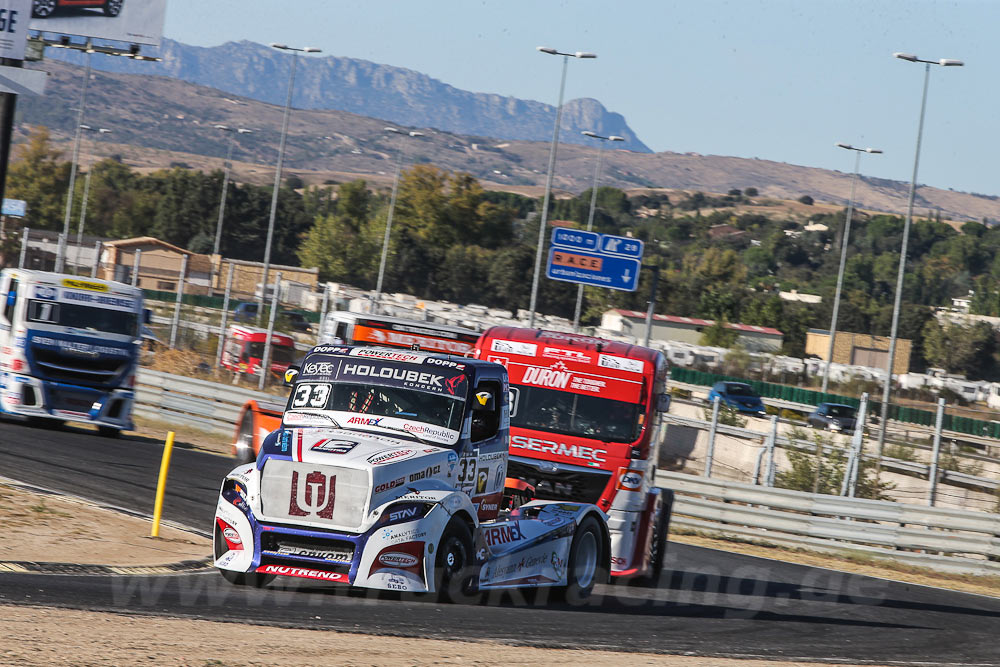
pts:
pixel 257 419
pixel 69 348
pixel 388 472
pixel 586 427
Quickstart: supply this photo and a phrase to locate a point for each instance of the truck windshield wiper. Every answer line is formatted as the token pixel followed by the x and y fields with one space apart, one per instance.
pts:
pixel 333 422
pixel 410 433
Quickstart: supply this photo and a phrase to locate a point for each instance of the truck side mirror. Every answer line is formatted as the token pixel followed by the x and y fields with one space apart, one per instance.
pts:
pixel 483 401
pixel 147 315
pixel 291 373
pixel 663 403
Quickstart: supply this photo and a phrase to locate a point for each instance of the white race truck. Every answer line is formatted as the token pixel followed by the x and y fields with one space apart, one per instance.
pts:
pixel 69 348
pixel 389 471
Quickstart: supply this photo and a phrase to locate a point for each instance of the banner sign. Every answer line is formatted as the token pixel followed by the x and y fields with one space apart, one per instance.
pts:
pixel 132 21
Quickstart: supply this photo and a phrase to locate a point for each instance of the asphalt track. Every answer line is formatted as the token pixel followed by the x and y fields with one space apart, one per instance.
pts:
pixel 713 603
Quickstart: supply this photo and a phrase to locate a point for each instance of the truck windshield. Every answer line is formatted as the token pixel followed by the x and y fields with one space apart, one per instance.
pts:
pixel 105 320
pixel 574 414
pixel 379 401
pixel 280 354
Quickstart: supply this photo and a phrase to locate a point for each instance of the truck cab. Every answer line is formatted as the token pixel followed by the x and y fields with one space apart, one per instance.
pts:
pixel 69 348
pixel 586 425
pixel 388 471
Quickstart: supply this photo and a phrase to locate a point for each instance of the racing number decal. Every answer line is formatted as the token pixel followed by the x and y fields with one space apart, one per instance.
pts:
pixel 467 471
pixel 311 395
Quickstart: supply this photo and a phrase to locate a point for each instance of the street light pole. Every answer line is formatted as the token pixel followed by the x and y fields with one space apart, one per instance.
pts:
pixel 61 250
pixel 86 197
pixel 377 295
pixel 277 171
pixel 233 133
pixel 543 223
pixel 884 415
pixel 590 216
pixel 843 257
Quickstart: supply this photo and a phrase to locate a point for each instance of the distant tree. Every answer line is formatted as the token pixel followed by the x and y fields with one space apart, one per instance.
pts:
pixel 719 335
pixel 806 199
pixel 40 177
pixel 750 192
pixel 735 192
pixel 294 182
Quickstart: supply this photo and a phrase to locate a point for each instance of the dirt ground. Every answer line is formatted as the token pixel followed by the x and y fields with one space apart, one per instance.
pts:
pixel 43 528
pixel 34 636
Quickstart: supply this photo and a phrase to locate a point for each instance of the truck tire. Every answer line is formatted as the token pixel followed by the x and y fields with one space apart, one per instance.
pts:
pixel 659 542
pixel 238 578
pixel 454 575
pixel 587 562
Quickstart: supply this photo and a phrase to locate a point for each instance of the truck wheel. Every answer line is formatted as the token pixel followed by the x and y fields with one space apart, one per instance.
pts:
pixel 244 441
pixel 659 543
pixel 453 566
pixel 587 562
pixel 238 578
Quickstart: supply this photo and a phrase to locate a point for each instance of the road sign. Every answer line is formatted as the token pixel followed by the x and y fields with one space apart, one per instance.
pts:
pixel 589 258
pixel 22 81
pixel 14 207
pixel 575 238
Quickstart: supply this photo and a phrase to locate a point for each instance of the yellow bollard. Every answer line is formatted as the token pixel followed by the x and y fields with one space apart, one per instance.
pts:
pixel 161 485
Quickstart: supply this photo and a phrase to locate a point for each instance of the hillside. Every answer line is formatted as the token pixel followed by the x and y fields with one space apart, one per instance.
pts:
pixel 160 120
pixel 395 94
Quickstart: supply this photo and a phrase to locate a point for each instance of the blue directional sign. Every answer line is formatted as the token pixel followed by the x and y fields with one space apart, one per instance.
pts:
pixel 14 207
pixel 575 238
pixel 595 259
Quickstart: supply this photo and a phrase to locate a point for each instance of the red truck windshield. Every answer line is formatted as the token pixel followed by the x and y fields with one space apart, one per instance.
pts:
pixel 557 411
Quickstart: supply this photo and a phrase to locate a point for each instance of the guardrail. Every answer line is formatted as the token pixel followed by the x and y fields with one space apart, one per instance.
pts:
pixel 210 406
pixel 934 537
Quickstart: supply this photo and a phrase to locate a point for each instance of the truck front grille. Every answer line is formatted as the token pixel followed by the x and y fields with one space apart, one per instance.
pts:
pixel 577 486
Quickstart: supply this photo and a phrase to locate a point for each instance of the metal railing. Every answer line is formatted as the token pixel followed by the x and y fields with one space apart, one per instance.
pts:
pixel 201 404
pixel 934 537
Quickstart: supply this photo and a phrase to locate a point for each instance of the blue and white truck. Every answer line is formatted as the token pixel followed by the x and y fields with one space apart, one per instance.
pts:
pixel 69 348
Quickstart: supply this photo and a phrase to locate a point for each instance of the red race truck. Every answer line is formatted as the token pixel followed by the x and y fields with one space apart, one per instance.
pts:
pixel 586 426
pixel 244 350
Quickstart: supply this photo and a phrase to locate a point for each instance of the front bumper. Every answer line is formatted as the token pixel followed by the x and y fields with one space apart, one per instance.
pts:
pixel 30 397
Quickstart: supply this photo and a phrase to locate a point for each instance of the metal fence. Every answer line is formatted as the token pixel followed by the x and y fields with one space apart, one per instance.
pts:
pixel 201 404
pixel 943 539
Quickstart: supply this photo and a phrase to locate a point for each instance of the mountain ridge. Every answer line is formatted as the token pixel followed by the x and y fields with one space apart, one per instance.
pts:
pixel 392 93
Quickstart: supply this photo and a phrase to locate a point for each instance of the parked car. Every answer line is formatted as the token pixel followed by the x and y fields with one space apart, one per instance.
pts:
pixel 245 312
pixel 42 9
pixel 738 395
pixel 833 416
pixel 296 320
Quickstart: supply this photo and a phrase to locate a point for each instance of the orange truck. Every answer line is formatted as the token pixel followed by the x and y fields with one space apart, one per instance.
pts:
pixel 258 418
pixel 585 426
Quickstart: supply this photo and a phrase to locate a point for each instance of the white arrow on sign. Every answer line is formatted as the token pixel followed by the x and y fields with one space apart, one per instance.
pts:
pixel 626 276
pixel 22 81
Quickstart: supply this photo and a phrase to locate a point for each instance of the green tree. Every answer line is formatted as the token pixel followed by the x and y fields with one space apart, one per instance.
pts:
pixel 41 178
pixel 719 335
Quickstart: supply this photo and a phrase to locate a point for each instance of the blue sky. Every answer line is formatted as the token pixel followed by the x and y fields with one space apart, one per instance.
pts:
pixel 776 79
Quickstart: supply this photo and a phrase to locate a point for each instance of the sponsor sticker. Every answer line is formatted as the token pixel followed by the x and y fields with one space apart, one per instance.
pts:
pixel 631 480
pixel 561 449
pixel 374 353
pixel 567 354
pixel 503 534
pixel 398 559
pixel 329 446
pixel 84 284
pixel 303 572
pixel 514 347
pixel 620 363
pixel 380 458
